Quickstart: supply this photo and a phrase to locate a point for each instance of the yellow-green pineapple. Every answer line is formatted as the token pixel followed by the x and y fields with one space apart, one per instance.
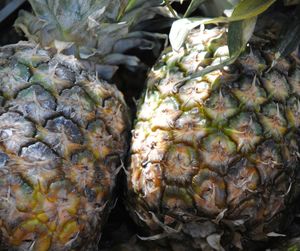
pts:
pixel 63 129
pixel 214 159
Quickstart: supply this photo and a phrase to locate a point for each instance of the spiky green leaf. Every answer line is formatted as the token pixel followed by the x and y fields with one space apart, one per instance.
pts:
pixel 193 6
pixel 250 8
pixel 93 27
pixel 290 38
pixel 239 33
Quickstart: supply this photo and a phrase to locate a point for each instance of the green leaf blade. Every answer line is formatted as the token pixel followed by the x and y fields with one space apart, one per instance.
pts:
pixel 250 8
pixel 239 33
pixel 193 6
pixel 290 38
pixel 243 20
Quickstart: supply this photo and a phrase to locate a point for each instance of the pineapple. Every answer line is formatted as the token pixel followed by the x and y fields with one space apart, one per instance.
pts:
pixel 63 128
pixel 214 160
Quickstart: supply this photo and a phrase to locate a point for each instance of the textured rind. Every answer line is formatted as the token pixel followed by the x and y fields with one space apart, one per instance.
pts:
pixel 216 159
pixel 63 135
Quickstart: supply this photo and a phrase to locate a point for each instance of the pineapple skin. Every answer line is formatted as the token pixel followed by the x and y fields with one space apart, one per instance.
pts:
pixel 63 135
pixel 214 161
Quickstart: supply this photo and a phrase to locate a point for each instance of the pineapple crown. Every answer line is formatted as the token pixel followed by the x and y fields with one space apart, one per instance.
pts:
pixel 95 31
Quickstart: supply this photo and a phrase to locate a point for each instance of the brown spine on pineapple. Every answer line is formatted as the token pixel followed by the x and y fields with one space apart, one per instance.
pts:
pixel 61 144
pixel 215 159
